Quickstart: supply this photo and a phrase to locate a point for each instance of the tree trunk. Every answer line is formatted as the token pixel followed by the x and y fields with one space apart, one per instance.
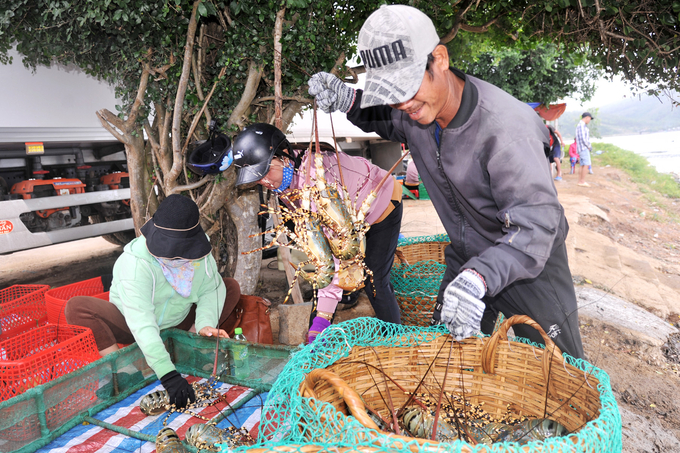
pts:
pixel 139 175
pixel 243 210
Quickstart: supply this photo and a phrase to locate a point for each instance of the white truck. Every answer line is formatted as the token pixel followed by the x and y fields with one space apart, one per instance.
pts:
pixel 62 175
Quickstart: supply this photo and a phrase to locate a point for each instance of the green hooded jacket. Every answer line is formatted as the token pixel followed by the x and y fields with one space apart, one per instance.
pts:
pixel 150 304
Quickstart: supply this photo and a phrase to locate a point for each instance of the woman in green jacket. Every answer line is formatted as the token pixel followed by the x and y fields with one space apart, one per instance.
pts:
pixel 165 278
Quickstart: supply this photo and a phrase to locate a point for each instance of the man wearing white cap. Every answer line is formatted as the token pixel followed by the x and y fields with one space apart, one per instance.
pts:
pixel 480 154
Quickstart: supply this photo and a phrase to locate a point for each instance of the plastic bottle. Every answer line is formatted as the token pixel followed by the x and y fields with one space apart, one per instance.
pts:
pixel 241 365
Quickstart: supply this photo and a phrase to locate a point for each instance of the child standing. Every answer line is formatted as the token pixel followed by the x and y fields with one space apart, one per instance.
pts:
pixel 573 157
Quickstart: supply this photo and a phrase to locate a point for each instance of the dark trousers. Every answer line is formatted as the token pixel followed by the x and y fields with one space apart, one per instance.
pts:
pixel 548 299
pixel 108 323
pixel 381 244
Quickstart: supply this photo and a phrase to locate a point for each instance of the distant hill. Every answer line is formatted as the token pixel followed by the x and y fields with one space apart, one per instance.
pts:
pixel 629 116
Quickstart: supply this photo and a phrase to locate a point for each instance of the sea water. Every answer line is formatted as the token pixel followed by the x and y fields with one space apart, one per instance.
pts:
pixel 662 149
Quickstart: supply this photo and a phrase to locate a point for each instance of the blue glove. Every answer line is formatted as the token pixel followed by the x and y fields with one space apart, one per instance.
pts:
pixel 462 309
pixel 227 160
pixel 331 93
pixel 319 324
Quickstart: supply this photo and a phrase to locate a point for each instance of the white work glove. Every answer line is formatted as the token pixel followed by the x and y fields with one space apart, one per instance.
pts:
pixel 462 309
pixel 331 93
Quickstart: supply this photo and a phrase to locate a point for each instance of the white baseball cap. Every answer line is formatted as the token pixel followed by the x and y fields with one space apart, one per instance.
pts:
pixel 394 43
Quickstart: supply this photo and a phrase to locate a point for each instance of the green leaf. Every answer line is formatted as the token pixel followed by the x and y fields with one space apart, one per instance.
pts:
pixel 202 10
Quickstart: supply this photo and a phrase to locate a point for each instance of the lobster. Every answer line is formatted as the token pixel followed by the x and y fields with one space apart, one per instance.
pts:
pixel 326 225
pixel 309 238
pixel 204 436
pixel 155 403
pixel 167 441
pixel 419 423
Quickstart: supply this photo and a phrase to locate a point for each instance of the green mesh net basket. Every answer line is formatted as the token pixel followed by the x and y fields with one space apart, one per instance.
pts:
pixel 380 365
pixel 416 274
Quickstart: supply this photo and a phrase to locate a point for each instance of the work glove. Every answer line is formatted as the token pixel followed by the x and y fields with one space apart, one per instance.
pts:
pixel 319 324
pixel 462 309
pixel 180 392
pixel 331 93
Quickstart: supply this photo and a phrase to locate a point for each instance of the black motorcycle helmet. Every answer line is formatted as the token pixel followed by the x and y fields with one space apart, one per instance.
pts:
pixel 207 157
pixel 254 148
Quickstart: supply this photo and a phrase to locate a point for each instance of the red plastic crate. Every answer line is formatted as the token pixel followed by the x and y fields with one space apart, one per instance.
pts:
pixel 22 307
pixel 43 354
pixel 56 298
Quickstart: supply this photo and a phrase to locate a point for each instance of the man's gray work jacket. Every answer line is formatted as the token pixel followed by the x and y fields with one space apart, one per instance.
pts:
pixel 488 180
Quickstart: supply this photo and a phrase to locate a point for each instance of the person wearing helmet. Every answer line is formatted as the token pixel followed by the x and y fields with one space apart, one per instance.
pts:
pixel 263 156
pixel 480 154
pixel 165 278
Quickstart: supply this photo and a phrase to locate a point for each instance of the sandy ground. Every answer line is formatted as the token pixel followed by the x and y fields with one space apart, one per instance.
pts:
pixel 625 260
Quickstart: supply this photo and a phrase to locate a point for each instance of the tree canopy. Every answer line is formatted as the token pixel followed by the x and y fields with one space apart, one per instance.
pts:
pixel 542 74
pixel 636 39
pixel 178 64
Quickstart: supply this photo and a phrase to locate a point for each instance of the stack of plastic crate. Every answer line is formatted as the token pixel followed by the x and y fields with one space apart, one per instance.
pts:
pixel 43 354
pixel 22 307
pixel 56 298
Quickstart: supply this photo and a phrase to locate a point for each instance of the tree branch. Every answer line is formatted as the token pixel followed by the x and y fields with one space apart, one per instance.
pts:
pixel 203 108
pixel 462 11
pixel 301 99
pixel 139 98
pixel 193 185
pixel 481 28
pixel 249 92
pixel 177 157
pixel 155 152
pixel 278 101
pixel 109 120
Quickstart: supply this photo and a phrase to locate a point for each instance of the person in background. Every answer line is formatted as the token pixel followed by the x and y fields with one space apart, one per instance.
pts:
pixel 556 140
pixel 481 156
pixel 573 157
pixel 165 278
pixel 412 181
pixel 263 155
pixel 584 148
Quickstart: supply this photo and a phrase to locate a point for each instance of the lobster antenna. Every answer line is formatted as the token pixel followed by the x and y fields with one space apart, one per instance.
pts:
pixel 389 173
pixel 337 153
pixel 316 134
pixel 310 153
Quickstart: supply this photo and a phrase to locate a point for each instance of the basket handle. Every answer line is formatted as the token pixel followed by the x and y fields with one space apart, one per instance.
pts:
pixel 401 257
pixel 349 395
pixel 551 349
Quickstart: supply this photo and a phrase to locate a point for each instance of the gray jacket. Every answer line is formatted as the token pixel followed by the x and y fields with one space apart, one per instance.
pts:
pixel 488 180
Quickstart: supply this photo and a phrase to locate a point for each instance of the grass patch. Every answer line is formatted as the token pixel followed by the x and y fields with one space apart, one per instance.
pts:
pixel 637 167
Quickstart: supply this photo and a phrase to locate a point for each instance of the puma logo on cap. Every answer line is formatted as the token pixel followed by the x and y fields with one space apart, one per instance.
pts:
pixel 384 55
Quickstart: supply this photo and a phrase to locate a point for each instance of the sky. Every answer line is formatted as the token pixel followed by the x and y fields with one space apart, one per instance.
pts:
pixel 607 93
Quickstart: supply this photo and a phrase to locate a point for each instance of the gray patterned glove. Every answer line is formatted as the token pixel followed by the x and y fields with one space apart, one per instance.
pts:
pixel 463 309
pixel 331 93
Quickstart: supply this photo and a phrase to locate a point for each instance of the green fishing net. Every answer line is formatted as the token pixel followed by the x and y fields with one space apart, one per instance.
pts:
pixel 583 397
pixel 416 282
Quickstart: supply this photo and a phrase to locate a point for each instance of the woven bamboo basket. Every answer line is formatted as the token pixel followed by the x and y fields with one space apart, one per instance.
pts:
pixel 490 372
pixel 416 275
pixel 421 251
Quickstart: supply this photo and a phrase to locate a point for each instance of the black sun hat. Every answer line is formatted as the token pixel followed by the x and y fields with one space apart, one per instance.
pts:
pixel 174 231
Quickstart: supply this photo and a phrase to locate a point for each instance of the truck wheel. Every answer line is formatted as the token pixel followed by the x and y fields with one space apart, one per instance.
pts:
pixel 119 238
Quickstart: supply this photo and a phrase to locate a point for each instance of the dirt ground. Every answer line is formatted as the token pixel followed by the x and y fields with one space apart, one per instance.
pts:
pixel 622 241
pixel 644 377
